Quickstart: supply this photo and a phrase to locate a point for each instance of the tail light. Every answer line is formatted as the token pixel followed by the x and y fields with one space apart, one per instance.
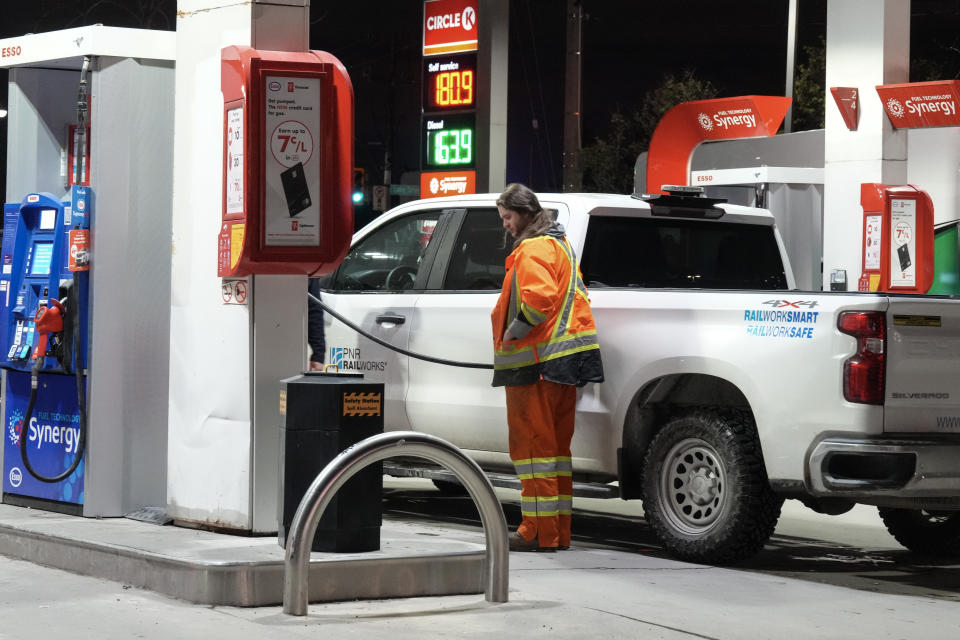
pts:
pixel 864 372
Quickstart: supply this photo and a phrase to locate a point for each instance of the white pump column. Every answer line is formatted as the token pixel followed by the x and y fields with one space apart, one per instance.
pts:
pixel 226 360
pixel 868 44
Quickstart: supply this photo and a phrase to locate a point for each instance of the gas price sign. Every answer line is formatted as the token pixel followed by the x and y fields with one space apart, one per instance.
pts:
pixel 449 82
pixel 450 140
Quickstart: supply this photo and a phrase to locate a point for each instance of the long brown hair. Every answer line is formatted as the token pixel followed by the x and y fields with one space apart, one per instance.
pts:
pixel 521 199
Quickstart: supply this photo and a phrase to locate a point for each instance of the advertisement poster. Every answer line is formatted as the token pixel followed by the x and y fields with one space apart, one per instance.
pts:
pixel 292 161
pixel 871 242
pixel 53 437
pixel 235 160
pixel 903 242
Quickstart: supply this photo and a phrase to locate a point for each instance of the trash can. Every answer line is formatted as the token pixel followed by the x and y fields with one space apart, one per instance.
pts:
pixel 324 414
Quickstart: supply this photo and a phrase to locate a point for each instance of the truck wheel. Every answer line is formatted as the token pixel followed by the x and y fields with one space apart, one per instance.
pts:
pixel 705 488
pixel 932 533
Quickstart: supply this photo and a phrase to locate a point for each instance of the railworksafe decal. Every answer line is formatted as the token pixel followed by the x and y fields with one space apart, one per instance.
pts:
pixel 785 320
pixel 362 404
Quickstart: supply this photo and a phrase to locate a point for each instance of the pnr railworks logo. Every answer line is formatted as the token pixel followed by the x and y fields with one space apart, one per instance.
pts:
pixel 15 427
pixel 336 356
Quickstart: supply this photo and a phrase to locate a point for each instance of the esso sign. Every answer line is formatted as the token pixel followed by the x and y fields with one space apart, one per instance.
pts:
pixel 10 52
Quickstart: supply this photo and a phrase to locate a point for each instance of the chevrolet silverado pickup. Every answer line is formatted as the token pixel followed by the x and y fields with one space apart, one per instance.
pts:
pixel 727 390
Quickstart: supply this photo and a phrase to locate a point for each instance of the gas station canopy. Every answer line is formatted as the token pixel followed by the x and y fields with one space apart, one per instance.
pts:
pixel 66 49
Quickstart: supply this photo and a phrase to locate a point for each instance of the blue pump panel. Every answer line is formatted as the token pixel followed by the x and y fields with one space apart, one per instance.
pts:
pixel 36 267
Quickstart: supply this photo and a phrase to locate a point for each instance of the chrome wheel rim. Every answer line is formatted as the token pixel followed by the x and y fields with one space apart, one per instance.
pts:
pixel 693 486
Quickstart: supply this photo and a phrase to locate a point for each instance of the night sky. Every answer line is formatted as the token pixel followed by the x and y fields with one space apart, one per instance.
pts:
pixel 628 47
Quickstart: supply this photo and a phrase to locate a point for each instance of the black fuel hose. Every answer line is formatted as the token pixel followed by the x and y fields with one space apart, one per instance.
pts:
pixel 28 414
pixel 384 343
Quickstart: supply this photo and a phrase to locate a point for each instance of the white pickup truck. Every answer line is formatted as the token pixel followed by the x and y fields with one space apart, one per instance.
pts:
pixel 726 389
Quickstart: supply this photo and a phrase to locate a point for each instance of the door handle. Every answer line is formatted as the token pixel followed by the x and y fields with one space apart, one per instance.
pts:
pixel 390 318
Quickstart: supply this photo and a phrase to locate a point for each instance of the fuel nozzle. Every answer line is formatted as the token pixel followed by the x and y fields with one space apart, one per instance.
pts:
pixel 48 319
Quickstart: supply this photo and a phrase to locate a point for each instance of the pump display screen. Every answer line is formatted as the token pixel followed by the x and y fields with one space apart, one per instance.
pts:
pixel 449 140
pixel 450 82
pixel 42 255
pixel 48 219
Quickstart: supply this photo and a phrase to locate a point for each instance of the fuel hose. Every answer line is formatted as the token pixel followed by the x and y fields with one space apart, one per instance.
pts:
pixel 384 343
pixel 28 414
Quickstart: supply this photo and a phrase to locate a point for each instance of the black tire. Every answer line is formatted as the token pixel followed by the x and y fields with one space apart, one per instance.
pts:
pixel 931 533
pixel 705 488
pixel 450 488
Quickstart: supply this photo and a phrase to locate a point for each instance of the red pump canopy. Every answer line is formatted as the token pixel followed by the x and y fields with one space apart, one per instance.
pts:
pixel 688 124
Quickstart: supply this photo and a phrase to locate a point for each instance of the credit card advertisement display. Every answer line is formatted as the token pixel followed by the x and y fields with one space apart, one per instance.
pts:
pixel 903 240
pixel 292 161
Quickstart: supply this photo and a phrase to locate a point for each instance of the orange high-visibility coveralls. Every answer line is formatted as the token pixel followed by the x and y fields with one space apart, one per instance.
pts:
pixel 544 305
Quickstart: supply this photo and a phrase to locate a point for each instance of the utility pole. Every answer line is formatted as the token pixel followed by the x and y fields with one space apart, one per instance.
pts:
pixel 572 102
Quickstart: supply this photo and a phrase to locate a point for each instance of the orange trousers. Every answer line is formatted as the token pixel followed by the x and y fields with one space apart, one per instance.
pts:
pixel 540 418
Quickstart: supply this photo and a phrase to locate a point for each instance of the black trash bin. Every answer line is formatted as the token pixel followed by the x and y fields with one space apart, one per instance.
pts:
pixel 325 413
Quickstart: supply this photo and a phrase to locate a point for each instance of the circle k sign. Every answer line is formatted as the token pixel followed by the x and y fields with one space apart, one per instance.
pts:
pixel 449 26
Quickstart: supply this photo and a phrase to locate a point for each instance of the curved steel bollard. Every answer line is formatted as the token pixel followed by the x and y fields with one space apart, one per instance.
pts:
pixel 374 449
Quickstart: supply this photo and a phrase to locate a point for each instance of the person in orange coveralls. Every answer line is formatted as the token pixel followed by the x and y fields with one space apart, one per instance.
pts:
pixel 545 345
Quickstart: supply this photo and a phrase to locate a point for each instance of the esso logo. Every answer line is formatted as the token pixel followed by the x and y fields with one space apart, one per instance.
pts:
pixel 16 477
pixel 33 198
pixel 274 86
pixel 81 205
pixel 704 178
pixel 10 52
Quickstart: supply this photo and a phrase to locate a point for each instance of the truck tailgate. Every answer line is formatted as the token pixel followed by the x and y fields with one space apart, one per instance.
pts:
pixel 923 366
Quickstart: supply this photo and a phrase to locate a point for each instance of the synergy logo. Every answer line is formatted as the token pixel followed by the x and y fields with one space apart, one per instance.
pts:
pixel 16 477
pixel 895 108
pixel 64 435
pixel 728 118
pixel 932 104
pixel 15 427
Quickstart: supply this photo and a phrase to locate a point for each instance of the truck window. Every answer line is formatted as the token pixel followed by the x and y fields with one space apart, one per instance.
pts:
pixel 477 260
pixel 388 259
pixel 690 254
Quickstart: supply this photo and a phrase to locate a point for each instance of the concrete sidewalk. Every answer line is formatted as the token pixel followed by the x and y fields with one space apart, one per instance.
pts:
pixel 587 592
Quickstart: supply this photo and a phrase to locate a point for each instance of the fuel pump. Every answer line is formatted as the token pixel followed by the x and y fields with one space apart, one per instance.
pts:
pixel 44 338
pixel 43 346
